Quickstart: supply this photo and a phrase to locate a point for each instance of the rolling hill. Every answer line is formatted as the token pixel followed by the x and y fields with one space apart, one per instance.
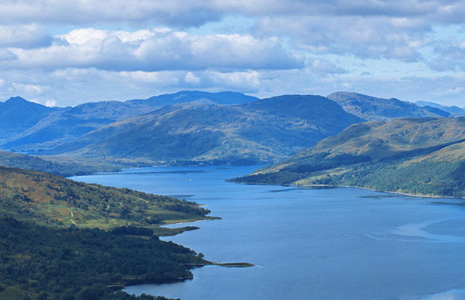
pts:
pixel 379 109
pixel 55 165
pixel 192 126
pixel 31 128
pixel 221 98
pixel 254 132
pixel 418 156
pixel 53 200
pixel 61 238
pixel 454 110
pixel 17 115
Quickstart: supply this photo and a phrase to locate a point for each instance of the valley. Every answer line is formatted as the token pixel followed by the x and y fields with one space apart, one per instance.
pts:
pixel 413 156
pixel 345 139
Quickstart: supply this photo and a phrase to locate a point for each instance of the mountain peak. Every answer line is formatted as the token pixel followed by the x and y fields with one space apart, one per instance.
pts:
pixel 16 99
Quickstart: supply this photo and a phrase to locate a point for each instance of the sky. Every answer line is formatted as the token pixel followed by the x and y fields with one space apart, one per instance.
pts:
pixel 63 53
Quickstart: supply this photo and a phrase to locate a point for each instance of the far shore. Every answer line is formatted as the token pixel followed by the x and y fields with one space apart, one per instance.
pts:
pixel 373 190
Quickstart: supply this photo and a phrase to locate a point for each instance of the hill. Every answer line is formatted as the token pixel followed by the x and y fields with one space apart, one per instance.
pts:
pixel 418 156
pixel 40 262
pixel 17 115
pixel 68 124
pixel 53 200
pixel 204 132
pixel 192 126
pixel 221 98
pixel 32 128
pixel 379 109
pixel 454 110
pixel 61 239
pixel 55 165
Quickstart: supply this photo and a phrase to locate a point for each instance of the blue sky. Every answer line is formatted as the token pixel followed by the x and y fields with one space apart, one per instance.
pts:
pixel 69 52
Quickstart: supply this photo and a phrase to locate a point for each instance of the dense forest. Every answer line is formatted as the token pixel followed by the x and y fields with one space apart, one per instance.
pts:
pixel 62 239
pixel 38 262
pixel 413 156
pixel 420 178
pixel 404 175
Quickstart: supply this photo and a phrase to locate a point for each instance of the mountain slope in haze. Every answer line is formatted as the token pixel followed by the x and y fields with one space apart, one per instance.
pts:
pixel 29 127
pixel 69 124
pixel 278 132
pixel 222 98
pixel 54 165
pixel 17 115
pixel 418 156
pixel 255 132
pixel 454 110
pixel 379 109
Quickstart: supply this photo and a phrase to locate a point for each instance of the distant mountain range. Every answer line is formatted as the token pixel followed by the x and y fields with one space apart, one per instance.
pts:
pixel 30 127
pixel 454 110
pixel 194 127
pixel 418 156
pixel 255 132
pixel 378 109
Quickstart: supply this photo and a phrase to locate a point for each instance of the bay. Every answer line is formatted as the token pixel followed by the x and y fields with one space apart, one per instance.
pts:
pixel 340 243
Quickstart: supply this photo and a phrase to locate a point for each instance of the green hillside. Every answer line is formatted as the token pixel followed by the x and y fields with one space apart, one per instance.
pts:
pixel 17 115
pixel 418 156
pixel 192 127
pixel 40 262
pixel 372 108
pixel 55 165
pixel 34 128
pixel 54 200
pixel 62 239
pixel 261 131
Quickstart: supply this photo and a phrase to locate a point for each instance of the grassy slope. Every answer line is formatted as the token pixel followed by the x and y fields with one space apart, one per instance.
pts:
pixel 54 200
pixel 55 165
pixel 261 131
pixel 418 156
pixel 372 108
pixel 62 239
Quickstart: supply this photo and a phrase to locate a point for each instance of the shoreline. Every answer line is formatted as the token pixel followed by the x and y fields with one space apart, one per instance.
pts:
pixel 349 186
pixel 378 191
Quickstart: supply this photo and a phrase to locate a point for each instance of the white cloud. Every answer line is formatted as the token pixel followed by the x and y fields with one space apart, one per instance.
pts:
pixel 174 12
pixel 192 78
pixel 324 67
pixel 6 55
pixel 195 13
pixel 155 50
pixel 23 36
pixel 449 55
pixel 367 37
pixel 119 49
pixel 237 81
pixel 50 103
pixel 74 86
pixel 29 89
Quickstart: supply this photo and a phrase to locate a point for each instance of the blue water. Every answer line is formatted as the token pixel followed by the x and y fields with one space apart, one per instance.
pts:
pixel 309 243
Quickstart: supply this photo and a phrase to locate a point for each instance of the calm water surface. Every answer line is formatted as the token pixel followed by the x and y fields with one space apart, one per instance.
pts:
pixel 309 243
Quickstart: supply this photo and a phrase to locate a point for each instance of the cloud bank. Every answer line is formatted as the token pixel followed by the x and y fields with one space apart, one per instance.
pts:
pixel 82 50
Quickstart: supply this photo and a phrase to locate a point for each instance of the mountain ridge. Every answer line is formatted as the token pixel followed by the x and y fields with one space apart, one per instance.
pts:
pixel 67 130
pixel 258 131
pixel 372 108
pixel 414 156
